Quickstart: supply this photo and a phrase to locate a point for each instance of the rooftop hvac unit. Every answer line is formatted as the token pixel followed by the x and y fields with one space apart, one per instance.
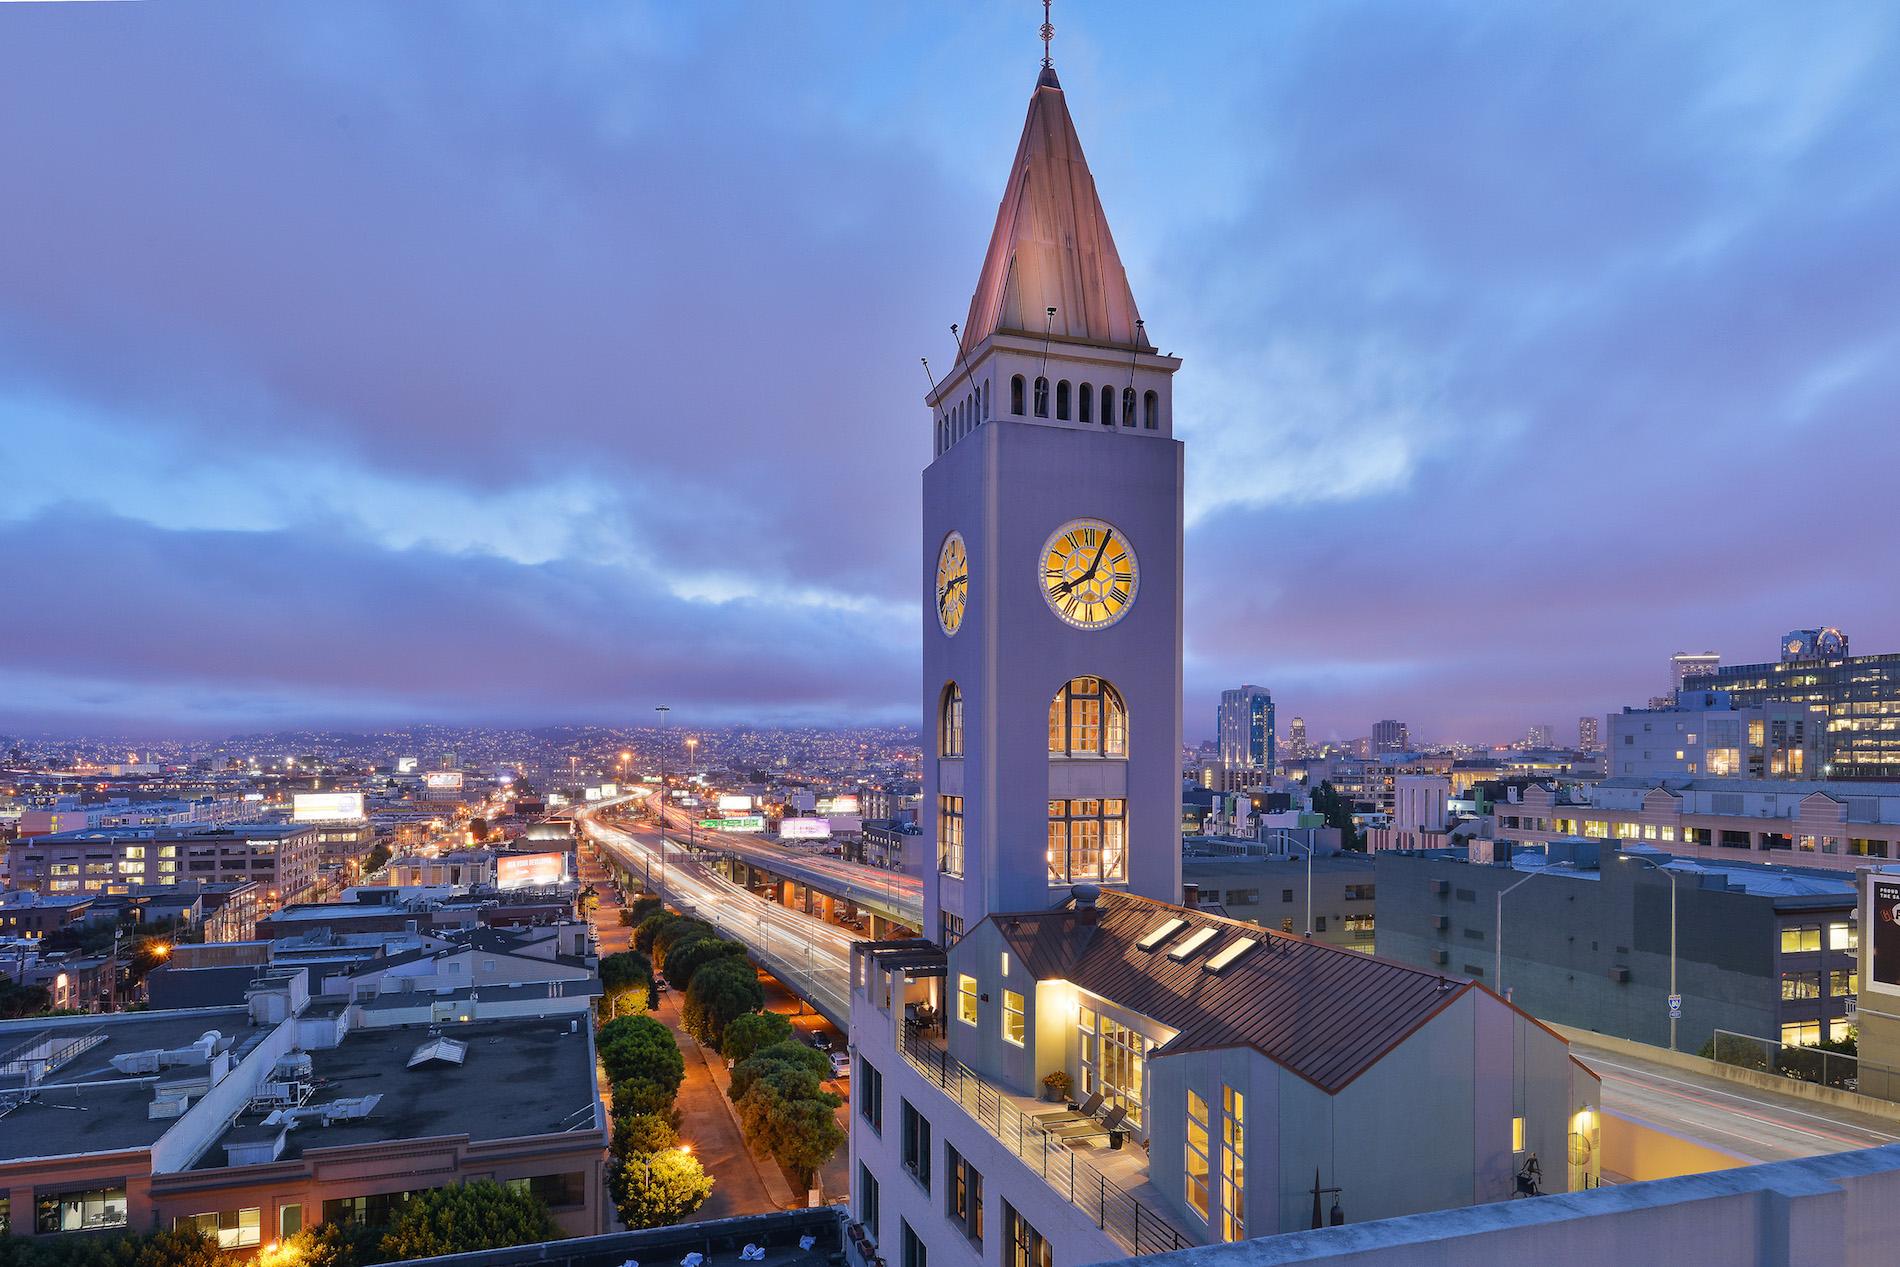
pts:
pixel 154 1059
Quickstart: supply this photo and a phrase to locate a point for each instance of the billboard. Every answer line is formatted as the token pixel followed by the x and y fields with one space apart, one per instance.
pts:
pixel 730 804
pixel 1883 955
pixel 325 807
pixel 804 829
pixel 443 780
pixel 530 870
pixel 746 822
pixel 838 805
pixel 406 765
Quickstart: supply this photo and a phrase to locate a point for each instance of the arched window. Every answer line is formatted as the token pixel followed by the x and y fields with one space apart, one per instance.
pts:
pixel 1085 398
pixel 1062 400
pixel 950 723
pixel 1088 719
pixel 1151 410
pixel 1016 395
pixel 1042 397
pixel 986 400
pixel 1128 406
pixel 1108 406
pixel 943 435
pixel 1088 841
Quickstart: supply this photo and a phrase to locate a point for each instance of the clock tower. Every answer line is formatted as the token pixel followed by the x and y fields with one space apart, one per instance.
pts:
pixel 1052 566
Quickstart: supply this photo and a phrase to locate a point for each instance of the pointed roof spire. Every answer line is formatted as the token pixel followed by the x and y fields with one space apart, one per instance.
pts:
pixel 1051 247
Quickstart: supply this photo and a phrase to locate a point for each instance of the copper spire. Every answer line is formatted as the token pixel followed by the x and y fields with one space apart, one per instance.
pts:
pixel 1051 247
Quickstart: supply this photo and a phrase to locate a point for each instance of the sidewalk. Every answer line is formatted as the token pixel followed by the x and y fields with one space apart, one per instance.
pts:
pixel 744 1183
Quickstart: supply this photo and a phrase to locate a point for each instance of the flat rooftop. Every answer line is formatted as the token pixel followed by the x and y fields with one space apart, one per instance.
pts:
pixel 84 1105
pixel 547 1074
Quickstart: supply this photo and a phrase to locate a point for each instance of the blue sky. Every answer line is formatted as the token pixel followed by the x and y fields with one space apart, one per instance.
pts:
pixel 366 362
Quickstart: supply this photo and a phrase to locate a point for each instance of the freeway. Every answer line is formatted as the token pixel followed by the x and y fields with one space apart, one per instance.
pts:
pixel 812 958
pixel 890 893
pixel 1742 1121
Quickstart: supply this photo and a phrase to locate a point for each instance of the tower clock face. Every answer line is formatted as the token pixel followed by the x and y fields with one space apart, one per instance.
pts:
pixel 953 583
pixel 1088 573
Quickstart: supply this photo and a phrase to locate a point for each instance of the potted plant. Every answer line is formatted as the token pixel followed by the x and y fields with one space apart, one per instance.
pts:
pixel 1055 1086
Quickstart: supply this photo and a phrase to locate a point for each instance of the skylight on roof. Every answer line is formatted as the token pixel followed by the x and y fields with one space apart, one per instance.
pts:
pixel 1197 939
pixel 1233 951
pixel 1161 934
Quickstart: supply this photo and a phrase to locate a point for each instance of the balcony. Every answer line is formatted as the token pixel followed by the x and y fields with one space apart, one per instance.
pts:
pixel 1106 1185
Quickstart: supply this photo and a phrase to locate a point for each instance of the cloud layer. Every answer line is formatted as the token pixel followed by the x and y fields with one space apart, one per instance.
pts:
pixel 371 361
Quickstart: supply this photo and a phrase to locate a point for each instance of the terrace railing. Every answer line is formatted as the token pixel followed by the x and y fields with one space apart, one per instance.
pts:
pixel 1136 1226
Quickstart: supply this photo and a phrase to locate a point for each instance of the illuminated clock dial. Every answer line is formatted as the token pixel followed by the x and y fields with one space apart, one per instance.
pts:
pixel 1088 573
pixel 953 583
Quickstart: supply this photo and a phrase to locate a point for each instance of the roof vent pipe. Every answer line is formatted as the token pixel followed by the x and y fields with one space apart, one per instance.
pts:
pixel 1085 896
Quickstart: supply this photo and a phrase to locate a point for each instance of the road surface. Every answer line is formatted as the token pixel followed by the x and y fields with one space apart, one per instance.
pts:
pixel 811 957
pixel 888 892
pixel 1753 1125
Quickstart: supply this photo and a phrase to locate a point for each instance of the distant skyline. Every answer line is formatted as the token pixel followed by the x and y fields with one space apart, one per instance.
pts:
pixel 364 364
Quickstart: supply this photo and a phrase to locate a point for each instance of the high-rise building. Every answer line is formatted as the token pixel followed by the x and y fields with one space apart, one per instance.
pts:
pixel 1389 736
pixel 1860 693
pixel 1704 735
pixel 1052 541
pixel 1587 733
pixel 1296 745
pixel 1541 737
pixel 1686 664
pixel 1245 729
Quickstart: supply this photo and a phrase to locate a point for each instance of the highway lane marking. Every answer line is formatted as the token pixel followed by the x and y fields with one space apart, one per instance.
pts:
pixel 1643 1076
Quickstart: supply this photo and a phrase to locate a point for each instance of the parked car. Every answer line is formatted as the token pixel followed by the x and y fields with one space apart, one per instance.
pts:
pixel 840 1065
pixel 659 984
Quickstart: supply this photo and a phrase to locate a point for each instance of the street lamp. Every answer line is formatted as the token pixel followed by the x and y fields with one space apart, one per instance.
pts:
pixel 1674 997
pixel 1286 838
pixel 1497 973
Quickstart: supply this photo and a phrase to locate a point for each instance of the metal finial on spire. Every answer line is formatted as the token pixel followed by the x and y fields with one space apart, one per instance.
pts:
pixel 1048 33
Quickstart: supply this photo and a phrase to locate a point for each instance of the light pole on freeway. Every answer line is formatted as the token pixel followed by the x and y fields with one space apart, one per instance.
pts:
pixel 1651 862
pixel 662 710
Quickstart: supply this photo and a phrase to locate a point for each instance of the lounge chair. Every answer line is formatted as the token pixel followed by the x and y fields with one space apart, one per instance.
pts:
pixel 1104 1127
pixel 1080 1113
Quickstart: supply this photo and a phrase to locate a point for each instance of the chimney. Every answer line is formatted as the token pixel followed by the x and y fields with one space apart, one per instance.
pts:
pixel 1085 895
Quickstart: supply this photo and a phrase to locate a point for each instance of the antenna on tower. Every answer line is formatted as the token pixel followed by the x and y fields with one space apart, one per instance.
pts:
pixel 1048 324
pixel 1048 33
pixel 943 431
pixel 964 361
pixel 1134 355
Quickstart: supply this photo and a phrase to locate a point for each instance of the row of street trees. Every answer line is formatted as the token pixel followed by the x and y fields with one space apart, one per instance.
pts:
pixel 653 1179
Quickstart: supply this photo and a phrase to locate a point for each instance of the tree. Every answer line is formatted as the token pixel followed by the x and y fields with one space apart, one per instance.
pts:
pixel 672 934
pixel 465 1217
pixel 720 993
pixel 639 1047
pixel 179 1247
pixel 18 1000
pixel 779 1062
pixel 1337 811
pixel 378 858
pixel 643 907
pixel 689 956
pixel 325 1245
pixel 655 1189
pixel 478 829
pixel 643 1133
pixel 649 928
pixel 755 1031
pixel 627 980
pixel 800 1132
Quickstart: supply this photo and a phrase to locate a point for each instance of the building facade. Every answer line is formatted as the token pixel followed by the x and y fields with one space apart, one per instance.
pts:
pixel 1758 951
pixel 281 857
pixel 1244 727
pixel 1704 734
pixel 1587 735
pixel 1389 737
pixel 1861 696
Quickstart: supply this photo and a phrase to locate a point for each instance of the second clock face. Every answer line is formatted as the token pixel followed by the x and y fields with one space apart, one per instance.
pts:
pixel 953 583
pixel 1088 573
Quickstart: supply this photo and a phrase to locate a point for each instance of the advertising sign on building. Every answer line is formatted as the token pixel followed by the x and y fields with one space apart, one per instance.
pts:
pixel 838 805
pixel 326 807
pixel 443 780
pixel 1883 962
pixel 746 822
pixel 804 829
pixel 406 765
pixel 529 870
pixel 731 804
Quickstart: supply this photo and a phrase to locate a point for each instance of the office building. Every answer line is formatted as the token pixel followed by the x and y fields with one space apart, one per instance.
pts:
pixel 1269 889
pixel 1244 726
pixel 1296 744
pixel 1704 734
pixel 1223 1070
pixel 1687 664
pixel 1763 951
pixel 1587 733
pixel 1861 695
pixel 1829 826
pixel 255 1121
pixel 1388 737
pixel 281 857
